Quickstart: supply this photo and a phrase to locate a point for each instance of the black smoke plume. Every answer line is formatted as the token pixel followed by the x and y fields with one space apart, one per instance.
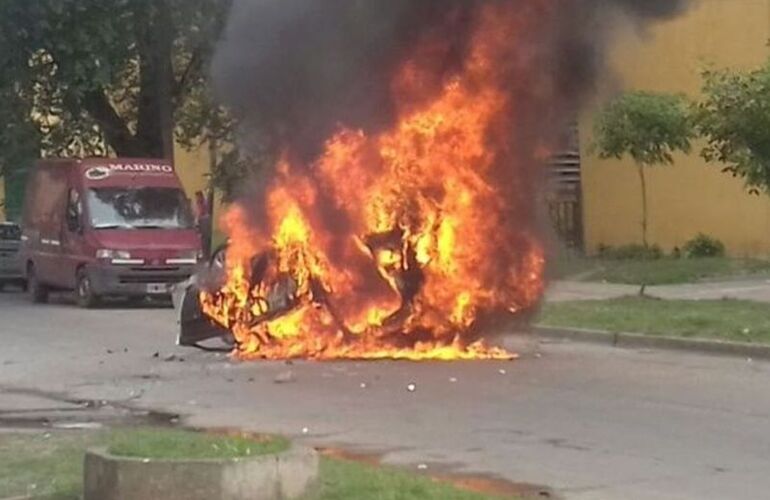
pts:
pixel 297 69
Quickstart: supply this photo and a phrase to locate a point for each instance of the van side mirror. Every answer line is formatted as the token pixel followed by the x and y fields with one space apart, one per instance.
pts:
pixel 74 211
pixel 73 223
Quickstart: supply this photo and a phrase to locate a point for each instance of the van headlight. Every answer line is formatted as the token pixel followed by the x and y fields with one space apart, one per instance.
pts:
pixel 103 253
pixel 190 257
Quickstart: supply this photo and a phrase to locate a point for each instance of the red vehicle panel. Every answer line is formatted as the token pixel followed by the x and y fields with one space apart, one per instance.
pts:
pixel 107 226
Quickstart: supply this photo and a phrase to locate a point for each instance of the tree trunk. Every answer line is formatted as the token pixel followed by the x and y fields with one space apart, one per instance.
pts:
pixel 155 116
pixel 643 181
pixel 114 127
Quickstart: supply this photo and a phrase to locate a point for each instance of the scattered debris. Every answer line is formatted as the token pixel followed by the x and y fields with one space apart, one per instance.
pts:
pixel 136 394
pixel 173 357
pixel 285 377
pixel 411 387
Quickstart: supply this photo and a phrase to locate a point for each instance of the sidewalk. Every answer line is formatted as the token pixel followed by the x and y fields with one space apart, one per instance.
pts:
pixel 757 290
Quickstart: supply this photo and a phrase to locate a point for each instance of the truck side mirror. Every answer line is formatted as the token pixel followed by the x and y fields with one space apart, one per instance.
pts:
pixel 74 210
pixel 73 222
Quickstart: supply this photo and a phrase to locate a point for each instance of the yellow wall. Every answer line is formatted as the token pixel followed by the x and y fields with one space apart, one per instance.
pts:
pixel 193 167
pixel 690 196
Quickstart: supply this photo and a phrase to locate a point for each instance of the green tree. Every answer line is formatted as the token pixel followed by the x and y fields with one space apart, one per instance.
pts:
pixel 85 77
pixel 649 128
pixel 734 118
pixel 202 121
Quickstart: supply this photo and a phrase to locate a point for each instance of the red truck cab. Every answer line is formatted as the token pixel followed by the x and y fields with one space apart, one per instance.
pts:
pixel 106 227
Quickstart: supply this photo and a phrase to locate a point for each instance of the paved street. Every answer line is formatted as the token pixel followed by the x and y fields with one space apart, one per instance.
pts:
pixel 591 421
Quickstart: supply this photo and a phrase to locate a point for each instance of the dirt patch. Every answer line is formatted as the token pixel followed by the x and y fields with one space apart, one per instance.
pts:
pixel 477 483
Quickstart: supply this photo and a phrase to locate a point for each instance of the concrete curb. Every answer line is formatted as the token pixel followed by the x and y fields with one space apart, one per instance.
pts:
pixel 636 340
pixel 283 476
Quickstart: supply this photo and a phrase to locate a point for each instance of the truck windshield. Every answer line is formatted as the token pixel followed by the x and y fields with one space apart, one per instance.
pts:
pixel 139 208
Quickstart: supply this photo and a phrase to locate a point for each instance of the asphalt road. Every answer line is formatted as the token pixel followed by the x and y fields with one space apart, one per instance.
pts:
pixel 592 422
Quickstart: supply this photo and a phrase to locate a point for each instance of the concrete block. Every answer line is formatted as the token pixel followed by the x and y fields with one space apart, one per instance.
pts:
pixel 298 473
pixel 283 476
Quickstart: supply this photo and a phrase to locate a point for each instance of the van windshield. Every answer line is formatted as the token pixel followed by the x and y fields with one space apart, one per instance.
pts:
pixel 139 208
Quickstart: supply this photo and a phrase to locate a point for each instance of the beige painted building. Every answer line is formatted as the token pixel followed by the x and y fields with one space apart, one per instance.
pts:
pixel 690 196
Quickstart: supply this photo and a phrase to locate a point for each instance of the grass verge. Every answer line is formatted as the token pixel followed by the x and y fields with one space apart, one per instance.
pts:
pixel 347 480
pixel 50 465
pixel 173 444
pixel 663 271
pixel 732 320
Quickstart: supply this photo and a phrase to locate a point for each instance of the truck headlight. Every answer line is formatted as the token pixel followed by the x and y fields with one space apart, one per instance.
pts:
pixel 192 255
pixel 187 257
pixel 106 254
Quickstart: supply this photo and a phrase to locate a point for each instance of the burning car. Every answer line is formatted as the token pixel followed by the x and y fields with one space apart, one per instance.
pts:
pixel 414 237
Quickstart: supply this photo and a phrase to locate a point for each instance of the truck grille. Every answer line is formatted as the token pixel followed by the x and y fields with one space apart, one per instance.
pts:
pixel 153 275
pixel 155 269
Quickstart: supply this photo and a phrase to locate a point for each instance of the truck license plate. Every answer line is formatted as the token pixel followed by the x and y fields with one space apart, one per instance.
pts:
pixel 155 288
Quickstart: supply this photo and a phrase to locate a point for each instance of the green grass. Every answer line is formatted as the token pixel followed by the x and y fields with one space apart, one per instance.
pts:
pixel 347 480
pixel 656 272
pixel 50 466
pixel 178 444
pixel 714 319
pixel 43 467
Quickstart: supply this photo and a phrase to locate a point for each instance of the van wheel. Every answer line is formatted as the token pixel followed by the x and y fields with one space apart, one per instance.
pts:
pixel 37 291
pixel 86 297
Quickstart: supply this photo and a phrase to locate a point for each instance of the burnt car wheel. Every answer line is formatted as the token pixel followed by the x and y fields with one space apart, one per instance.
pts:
pixel 37 291
pixel 84 291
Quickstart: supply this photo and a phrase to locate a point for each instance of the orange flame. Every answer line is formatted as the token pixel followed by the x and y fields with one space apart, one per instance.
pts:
pixel 398 244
